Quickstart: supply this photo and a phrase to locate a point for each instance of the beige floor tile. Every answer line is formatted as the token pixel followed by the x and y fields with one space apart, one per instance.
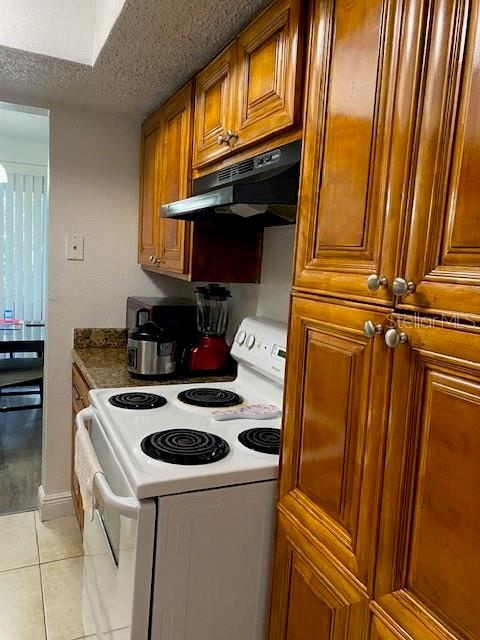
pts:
pixel 18 543
pixel 62 594
pixel 21 609
pixel 58 539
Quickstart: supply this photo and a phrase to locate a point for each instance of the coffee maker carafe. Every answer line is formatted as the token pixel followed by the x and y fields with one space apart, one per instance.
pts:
pixel 212 352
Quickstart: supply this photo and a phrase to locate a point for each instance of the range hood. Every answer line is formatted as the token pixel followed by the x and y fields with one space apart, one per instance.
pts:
pixel 261 190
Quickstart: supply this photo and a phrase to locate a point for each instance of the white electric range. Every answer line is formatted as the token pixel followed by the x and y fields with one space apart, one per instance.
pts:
pixel 181 541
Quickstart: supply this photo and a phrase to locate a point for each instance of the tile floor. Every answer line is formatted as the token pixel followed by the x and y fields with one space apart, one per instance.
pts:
pixel 41 568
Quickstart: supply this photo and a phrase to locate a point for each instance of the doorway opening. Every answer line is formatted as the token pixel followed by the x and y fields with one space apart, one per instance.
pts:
pixel 24 153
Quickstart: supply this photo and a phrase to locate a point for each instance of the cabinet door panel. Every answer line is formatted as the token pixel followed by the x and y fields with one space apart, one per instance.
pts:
pixel 311 600
pixel 269 68
pixel 174 183
pixel 214 97
pixel 359 133
pixel 429 567
pixel 443 257
pixel 147 228
pixel 334 429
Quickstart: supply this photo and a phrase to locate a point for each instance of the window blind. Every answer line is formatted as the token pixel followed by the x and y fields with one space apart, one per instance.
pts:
pixel 23 202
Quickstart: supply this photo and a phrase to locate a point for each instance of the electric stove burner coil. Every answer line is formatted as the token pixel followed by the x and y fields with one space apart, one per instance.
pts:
pixel 261 439
pixel 185 446
pixel 137 400
pixel 208 397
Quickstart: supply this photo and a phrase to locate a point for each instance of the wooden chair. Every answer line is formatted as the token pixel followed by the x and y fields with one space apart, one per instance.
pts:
pixel 21 372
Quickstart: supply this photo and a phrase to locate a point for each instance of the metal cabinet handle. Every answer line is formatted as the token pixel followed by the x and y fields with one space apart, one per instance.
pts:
pixel 229 135
pixel 370 329
pixel 401 286
pixel 393 338
pixel 374 282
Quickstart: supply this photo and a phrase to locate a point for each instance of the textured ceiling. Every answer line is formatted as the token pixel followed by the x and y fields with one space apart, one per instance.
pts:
pixel 154 47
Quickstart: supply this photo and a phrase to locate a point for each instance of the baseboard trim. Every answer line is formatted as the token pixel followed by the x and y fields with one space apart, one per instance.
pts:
pixel 54 505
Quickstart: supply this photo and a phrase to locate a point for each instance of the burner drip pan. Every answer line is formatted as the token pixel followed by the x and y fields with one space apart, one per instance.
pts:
pixel 209 397
pixel 137 400
pixel 261 439
pixel 185 446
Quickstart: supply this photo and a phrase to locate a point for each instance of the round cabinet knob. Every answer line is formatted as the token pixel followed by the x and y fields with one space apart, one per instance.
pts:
pixel 374 282
pixel 230 135
pixel 151 258
pixel 241 335
pixel 402 286
pixel 370 329
pixel 393 338
pixel 250 341
pixel 221 139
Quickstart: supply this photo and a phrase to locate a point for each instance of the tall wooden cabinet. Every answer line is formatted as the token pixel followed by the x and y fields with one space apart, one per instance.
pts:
pixel 378 516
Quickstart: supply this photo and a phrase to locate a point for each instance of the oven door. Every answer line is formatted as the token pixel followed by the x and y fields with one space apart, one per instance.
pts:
pixel 118 545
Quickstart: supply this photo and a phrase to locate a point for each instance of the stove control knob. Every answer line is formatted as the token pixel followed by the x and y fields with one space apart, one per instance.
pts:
pixel 241 335
pixel 250 341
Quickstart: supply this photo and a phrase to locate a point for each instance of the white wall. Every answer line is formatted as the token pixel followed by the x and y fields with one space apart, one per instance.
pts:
pixel 271 297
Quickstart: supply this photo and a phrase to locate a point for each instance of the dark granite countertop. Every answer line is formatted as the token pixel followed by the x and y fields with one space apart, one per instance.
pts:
pixel 101 361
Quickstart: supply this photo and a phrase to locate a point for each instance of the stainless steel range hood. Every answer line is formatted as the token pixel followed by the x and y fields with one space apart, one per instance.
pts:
pixel 261 190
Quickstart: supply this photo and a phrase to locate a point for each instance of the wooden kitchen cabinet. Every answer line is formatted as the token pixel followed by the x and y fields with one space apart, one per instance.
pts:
pixel 148 219
pixel 252 90
pixel 336 408
pixel 214 106
pixel 174 176
pixel 443 244
pixel 80 401
pixel 362 86
pixel 428 566
pixel 192 251
pixel 312 599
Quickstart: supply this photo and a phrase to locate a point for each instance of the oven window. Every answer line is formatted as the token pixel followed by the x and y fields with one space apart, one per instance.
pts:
pixel 111 526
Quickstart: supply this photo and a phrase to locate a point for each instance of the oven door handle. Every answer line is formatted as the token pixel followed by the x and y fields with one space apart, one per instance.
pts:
pixel 125 506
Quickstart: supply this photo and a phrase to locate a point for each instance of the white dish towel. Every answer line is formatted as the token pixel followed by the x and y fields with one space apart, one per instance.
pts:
pixel 86 467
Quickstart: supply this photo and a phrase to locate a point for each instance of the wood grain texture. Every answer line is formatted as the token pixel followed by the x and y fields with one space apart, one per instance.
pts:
pixel 443 244
pixel 363 81
pixel 269 68
pixel 215 95
pixel 334 429
pixel 174 183
pixel 428 566
pixel 147 220
pixel 311 599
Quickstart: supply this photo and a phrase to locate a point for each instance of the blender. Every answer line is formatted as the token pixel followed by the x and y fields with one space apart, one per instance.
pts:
pixel 212 352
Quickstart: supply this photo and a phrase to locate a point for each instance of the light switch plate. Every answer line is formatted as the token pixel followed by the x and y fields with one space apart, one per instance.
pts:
pixel 74 246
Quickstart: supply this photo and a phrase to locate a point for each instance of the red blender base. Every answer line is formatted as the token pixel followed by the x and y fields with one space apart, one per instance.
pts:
pixel 211 354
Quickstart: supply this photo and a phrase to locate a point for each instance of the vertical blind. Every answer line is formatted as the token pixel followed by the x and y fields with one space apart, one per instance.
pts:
pixel 23 202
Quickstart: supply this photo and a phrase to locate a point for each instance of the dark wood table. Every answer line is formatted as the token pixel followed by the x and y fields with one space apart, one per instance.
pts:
pixel 23 340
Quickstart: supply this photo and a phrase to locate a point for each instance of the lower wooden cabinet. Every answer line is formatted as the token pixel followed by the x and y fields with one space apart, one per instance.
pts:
pixel 312 599
pixel 80 391
pixel 380 476
pixel 334 429
pixel 428 566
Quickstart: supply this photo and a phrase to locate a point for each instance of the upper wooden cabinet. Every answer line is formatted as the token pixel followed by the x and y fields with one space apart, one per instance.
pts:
pixel 443 244
pixel 192 251
pixel 174 175
pixel 252 90
pixel 333 429
pixel 363 82
pixel 147 218
pixel 214 99
pixel 428 567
